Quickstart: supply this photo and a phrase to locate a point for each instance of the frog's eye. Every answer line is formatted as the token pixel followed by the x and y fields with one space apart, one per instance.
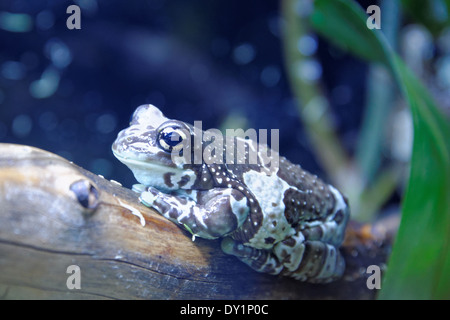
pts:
pixel 171 138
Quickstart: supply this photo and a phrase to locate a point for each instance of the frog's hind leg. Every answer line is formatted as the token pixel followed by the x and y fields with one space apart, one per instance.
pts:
pixel 331 230
pixel 260 260
pixel 296 256
pixel 312 253
pixel 309 260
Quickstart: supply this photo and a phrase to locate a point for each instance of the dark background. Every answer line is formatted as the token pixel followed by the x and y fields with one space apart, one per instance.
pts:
pixel 71 91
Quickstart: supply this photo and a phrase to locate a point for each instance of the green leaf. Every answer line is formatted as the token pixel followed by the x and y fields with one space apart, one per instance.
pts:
pixel 419 267
pixel 340 23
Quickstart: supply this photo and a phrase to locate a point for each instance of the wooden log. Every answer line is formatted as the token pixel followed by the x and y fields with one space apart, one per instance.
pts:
pixel 54 214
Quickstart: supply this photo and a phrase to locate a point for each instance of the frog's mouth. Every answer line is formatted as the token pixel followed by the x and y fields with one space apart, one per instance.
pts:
pixel 146 165
pixel 157 175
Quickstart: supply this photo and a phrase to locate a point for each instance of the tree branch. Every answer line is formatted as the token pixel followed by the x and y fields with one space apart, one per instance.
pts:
pixel 44 228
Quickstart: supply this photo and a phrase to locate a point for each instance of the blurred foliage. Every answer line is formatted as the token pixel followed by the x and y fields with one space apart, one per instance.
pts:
pixel 419 265
pixel 433 14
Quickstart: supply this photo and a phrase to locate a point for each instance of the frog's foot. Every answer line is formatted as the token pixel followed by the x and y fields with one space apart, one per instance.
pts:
pixel 138 188
pixel 148 198
pixel 305 260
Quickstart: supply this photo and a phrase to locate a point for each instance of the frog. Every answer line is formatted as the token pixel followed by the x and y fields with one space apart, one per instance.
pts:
pixel 278 219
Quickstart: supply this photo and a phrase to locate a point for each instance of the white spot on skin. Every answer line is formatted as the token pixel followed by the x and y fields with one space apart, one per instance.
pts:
pixel 340 202
pixel 295 252
pixel 240 209
pixel 268 190
pixel 338 234
pixel 185 209
pixel 177 178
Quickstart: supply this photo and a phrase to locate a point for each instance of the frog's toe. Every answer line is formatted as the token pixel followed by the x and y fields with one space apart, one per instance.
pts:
pixel 147 198
pixel 237 249
pixel 138 188
pixel 229 246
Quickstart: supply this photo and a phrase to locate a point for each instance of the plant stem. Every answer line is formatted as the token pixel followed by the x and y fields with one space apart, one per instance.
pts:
pixel 312 104
pixel 381 92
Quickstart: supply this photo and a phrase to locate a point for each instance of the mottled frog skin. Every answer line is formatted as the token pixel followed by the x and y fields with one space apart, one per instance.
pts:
pixel 278 220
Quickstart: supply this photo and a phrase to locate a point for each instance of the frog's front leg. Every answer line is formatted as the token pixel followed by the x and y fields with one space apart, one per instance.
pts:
pixel 207 214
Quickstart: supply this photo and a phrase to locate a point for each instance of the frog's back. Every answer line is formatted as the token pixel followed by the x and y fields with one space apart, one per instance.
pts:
pixel 309 197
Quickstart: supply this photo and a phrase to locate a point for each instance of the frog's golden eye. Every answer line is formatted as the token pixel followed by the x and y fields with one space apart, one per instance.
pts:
pixel 171 138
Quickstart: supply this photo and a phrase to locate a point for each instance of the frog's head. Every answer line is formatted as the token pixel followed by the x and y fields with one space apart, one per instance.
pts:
pixel 150 147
